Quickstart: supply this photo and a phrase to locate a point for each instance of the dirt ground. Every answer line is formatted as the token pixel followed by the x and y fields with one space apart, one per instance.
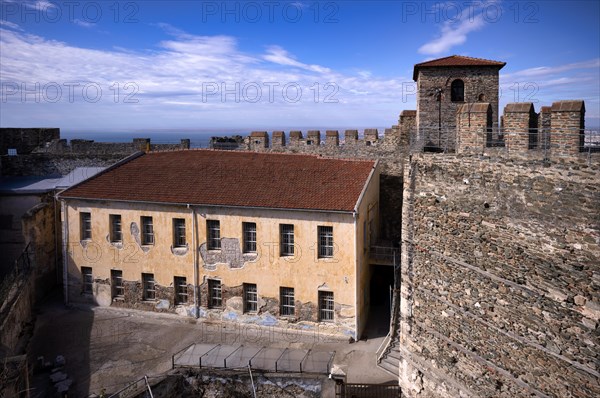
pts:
pixel 108 348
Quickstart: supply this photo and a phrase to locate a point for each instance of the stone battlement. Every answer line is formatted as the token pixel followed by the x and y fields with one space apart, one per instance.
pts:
pixel 82 146
pixel 260 140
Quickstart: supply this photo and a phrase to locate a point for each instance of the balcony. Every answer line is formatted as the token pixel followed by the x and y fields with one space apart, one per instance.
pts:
pixel 384 253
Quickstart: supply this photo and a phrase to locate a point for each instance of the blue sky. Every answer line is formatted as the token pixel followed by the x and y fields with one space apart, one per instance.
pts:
pixel 181 65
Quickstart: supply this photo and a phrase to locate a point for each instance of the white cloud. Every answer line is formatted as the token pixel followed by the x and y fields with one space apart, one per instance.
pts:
pixel 38 5
pixel 280 56
pixel 10 25
pixel 83 24
pixel 539 71
pixel 186 80
pixel 454 31
pixel 452 35
pixel 544 85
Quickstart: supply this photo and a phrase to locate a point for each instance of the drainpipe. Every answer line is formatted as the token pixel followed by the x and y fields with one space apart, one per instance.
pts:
pixel 65 242
pixel 356 281
pixel 195 256
pixel 56 230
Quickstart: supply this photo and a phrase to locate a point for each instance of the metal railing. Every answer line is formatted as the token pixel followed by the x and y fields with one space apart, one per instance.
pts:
pixel 138 387
pixel 347 390
pixel 235 357
pixel 382 253
pixel 543 142
pixel 392 337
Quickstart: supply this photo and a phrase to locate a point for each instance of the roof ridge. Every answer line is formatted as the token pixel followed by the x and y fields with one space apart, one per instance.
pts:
pixel 314 155
pixel 461 56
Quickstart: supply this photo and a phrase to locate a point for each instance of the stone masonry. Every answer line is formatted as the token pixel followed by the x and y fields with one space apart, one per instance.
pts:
pixel 500 278
pixel 471 121
pixel 520 126
pixel 480 85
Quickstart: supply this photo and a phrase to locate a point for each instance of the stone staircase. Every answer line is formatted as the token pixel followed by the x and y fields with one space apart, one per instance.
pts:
pixel 388 354
pixel 390 361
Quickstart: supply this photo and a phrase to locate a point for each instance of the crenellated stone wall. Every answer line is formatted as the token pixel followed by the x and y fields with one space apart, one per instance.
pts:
pixel 500 278
pixel 472 120
pixel 557 133
pixel 520 126
pixel 86 147
pixel 25 140
pixel 568 122
pixel 59 158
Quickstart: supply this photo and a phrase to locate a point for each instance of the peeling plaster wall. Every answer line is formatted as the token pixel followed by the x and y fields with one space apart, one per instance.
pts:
pixel 305 272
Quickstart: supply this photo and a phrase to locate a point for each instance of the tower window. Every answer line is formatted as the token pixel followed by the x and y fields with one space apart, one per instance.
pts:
pixel 457 90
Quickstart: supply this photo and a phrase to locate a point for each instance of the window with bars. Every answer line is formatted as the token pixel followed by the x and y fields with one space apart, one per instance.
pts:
pixel 213 235
pixel 149 286
pixel 85 220
pixel 179 232
pixel 181 290
pixel 215 299
pixel 147 231
pixel 116 278
pixel 249 230
pixel 325 239
pixel 116 233
pixel 87 282
pixel 326 307
pixel 250 297
pixel 287 303
pixel 286 232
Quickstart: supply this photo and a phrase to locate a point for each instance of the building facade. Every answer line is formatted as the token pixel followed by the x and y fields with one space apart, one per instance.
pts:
pixel 271 239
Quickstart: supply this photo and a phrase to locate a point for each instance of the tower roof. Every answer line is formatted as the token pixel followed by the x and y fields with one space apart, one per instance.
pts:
pixel 456 60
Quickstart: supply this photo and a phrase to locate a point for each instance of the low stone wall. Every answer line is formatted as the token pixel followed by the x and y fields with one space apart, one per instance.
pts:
pixel 237 384
pixel 44 164
pixel 500 278
pixel 25 140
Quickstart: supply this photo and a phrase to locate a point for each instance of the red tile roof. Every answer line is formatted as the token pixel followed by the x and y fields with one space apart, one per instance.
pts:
pixel 456 60
pixel 232 178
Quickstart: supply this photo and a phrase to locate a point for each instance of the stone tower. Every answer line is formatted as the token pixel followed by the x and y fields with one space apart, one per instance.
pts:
pixel 443 86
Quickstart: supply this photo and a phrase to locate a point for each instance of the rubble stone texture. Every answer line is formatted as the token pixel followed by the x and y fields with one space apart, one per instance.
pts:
pixel 500 278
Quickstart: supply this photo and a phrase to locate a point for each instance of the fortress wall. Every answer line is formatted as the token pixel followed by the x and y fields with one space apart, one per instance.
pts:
pixel 500 278
pixel 25 140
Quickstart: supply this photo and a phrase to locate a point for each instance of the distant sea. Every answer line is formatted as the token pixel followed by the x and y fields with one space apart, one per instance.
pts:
pixel 199 138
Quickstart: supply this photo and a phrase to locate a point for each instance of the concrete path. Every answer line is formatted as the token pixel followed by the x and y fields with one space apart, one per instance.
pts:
pixel 106 348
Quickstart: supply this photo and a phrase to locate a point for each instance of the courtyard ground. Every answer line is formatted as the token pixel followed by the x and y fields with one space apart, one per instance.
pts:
pixel 107 348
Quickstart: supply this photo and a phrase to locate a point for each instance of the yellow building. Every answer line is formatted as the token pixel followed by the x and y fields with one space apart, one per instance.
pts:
pixel 275 239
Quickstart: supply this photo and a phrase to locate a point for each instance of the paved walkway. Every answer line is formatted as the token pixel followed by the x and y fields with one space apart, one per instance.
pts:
pixel 266 359
pixel 110 347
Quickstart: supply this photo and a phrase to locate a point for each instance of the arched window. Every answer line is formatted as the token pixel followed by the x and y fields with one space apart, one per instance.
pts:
pixel 457 90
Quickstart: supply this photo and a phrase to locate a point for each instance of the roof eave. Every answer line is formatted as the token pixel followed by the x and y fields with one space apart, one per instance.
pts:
pixel 206 205
pixel 417 67
pixel 362 193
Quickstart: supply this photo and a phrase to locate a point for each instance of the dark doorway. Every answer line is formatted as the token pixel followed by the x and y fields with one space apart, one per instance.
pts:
pixel 382 280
